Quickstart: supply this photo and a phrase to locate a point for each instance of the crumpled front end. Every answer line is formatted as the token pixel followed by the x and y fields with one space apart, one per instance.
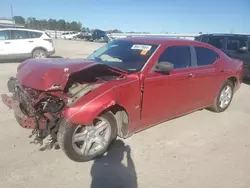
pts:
pixel 43 110
pixel 30 106
pixel 14 104
pixel 22 119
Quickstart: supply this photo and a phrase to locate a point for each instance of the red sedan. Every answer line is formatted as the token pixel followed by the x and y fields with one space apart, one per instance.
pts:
pixel 122 88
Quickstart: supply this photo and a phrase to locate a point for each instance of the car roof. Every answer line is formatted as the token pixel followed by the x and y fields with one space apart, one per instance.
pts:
pixel 170 42
pixel 21 29
pixel 226 35
pixel 161 40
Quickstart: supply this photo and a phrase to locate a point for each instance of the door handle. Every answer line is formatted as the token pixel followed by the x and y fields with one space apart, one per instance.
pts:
pixel 191 75
pixel 7 42
pixel 30 41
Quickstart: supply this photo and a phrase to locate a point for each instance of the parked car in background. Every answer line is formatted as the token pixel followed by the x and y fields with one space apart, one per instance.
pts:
pixel 234 45
pixel 122 88
pixel 18 43
pixel 96 35
pixel 83 35
pixel 69 35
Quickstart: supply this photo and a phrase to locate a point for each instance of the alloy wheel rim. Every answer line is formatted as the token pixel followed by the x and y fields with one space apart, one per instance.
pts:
pixel 225 96
pixel 40 55
pixel 89 140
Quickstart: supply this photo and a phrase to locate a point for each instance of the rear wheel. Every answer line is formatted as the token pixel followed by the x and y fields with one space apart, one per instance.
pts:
pixel 224 97
pixel 83 143
pixel 39 54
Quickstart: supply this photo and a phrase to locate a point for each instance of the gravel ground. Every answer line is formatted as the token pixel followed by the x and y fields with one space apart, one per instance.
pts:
pixel 202 149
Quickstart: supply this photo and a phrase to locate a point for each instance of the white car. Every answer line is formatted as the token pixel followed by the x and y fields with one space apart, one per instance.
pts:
pixel 69 35
pixel 25 43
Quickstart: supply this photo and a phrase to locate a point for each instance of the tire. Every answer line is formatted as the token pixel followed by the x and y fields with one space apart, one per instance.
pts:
pixel 67 132
pixel 216 107
pixel 39 54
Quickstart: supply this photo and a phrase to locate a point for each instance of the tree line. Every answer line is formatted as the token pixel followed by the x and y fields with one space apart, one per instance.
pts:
pixel 53 24
pixel 50 24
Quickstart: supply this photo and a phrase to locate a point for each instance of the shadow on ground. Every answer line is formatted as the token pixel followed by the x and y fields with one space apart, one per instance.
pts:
pixel 11 60
pixel 55 56
pixel 109 171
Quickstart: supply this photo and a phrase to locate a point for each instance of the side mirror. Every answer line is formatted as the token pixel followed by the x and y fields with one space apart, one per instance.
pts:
pixel 164 67
pixel 243 49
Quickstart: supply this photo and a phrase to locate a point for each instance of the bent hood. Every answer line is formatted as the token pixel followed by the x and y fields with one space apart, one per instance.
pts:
pixel 53 74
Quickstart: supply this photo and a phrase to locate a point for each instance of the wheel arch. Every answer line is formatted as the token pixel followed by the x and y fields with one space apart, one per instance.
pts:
pixel 86 110
pixel 122 119
pixel 39 48
pixel 234 80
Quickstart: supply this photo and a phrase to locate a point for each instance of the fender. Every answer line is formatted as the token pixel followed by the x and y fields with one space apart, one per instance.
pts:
pixel 89 107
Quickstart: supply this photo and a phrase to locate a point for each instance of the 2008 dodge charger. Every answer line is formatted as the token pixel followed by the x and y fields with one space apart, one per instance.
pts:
pixel 124 87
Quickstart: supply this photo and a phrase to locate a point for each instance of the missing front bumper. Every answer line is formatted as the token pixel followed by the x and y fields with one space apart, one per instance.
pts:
pixel 23 120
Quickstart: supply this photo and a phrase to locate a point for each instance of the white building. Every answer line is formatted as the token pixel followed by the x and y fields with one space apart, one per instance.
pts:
pixel 5 22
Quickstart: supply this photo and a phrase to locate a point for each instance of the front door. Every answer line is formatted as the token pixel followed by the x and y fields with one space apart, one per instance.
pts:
pixel 5 43
pixel 217 41
pixel 167 96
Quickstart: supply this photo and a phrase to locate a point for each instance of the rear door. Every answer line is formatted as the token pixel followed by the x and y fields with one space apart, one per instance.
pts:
pixel 21 43
pixel 207 75
pixel 35 39
pixel 233 46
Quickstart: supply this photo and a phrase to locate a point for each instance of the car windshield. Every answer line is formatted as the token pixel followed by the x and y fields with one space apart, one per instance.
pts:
pixel 125 55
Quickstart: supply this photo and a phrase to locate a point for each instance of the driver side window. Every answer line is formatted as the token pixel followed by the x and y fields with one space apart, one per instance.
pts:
pixel 179 56
pixel 4 35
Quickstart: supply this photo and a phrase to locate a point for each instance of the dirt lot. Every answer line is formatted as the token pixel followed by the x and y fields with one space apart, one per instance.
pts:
pixel 202 149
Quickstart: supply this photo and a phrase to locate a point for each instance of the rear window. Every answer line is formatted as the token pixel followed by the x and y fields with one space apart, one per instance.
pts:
pixel 19 34
pixel 205 56
pixel 234 43
pixel 35 34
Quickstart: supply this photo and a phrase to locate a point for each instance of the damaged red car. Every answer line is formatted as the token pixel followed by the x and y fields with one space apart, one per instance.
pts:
pixel 122 88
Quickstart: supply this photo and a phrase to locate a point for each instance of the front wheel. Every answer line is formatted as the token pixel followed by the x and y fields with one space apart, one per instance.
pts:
pixel 85 142
pixel 224 97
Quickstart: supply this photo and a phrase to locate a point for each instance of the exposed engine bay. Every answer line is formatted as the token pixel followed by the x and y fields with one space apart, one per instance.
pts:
pixel 43 110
